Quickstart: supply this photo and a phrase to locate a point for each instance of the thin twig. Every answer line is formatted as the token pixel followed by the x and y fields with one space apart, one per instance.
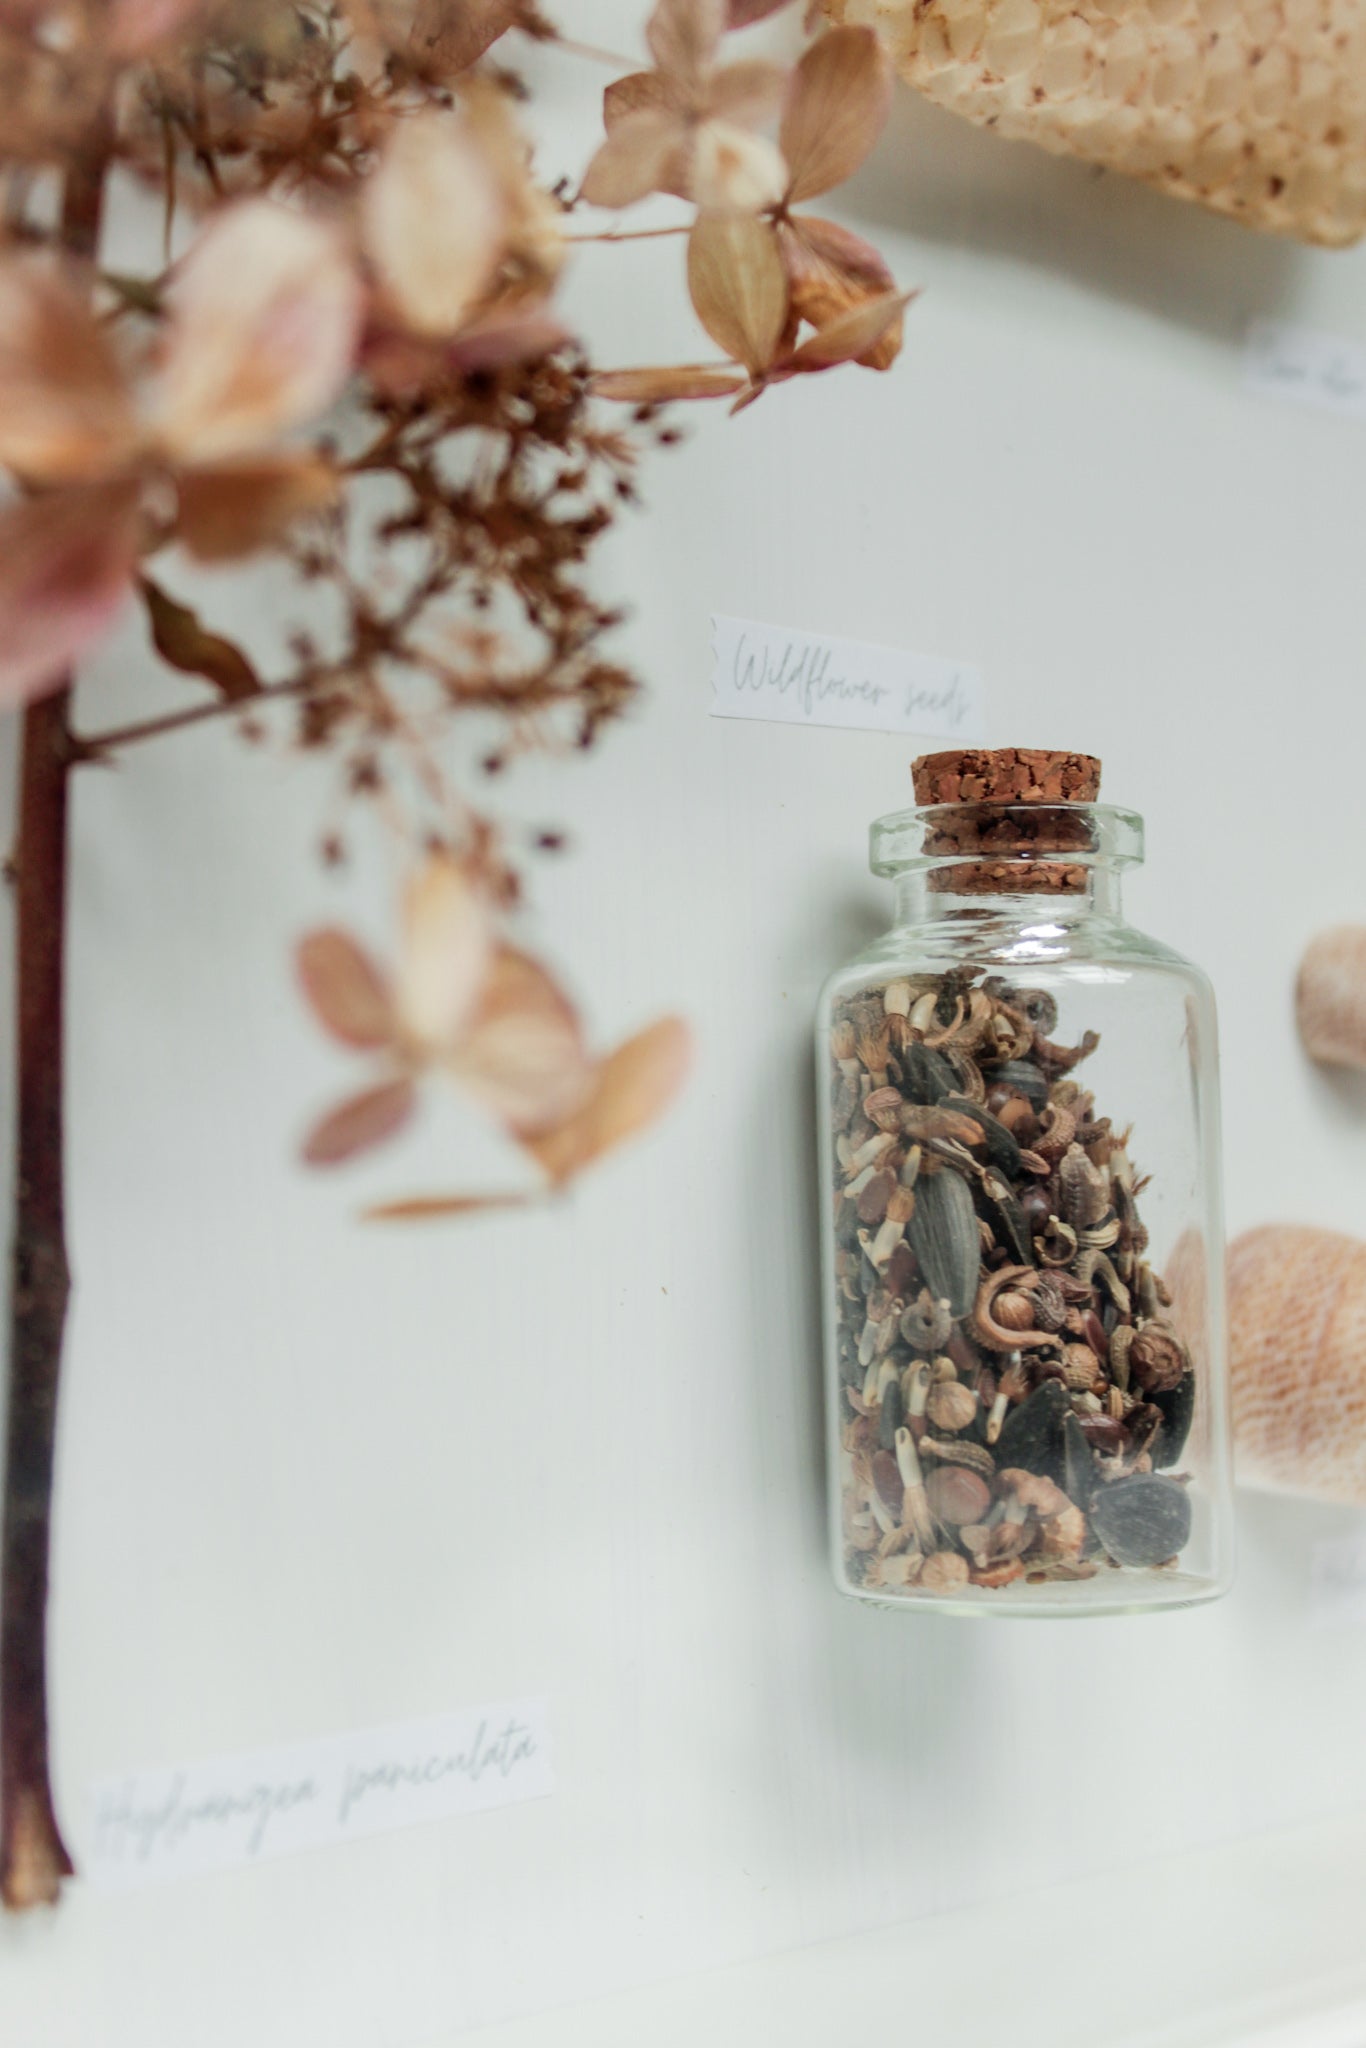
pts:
pixel 633 234
pixel 595 55
pixel 96 746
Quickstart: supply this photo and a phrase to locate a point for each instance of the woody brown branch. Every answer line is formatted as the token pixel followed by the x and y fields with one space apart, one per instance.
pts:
pixel 33 1856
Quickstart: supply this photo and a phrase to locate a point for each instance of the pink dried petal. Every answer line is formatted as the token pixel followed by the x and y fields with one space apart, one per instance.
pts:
pixel 65 410
pixel 265 314
pixel 360 1122
pixel 523 1053
pixel 346 991
pixel 635 160
pixel 634 1086
pixel 66 563
pixel 432 220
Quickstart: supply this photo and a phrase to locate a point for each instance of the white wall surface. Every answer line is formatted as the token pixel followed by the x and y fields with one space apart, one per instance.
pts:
pixel 314 1477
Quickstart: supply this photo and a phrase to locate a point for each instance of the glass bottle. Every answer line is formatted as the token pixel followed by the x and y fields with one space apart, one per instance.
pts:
pixel 1023 1259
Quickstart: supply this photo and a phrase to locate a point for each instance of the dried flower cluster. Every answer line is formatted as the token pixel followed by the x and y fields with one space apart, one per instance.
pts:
pixel 1013 1389
pixel 344 347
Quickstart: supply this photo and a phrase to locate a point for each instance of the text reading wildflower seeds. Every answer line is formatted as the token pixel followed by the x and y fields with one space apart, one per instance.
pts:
pixel 772 672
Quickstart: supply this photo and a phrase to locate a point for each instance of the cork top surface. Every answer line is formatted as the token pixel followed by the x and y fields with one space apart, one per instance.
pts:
pixel 1006 775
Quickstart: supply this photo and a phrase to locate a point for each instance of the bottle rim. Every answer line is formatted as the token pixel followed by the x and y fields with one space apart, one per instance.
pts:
pixel 932 837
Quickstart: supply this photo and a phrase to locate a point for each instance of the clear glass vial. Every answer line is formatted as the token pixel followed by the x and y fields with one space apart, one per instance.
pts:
pixel 1023 1258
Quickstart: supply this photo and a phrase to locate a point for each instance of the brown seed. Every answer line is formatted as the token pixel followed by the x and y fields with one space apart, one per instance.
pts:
pixel 951 1405
pixel 997 1574
pixel 887 1478
pixel 1013 1310
pixel 955 1450
pixel 1157 1359
pixel 1093 1330
pixel 873 1199
pixel 1079 1369
pixel 944 1572
pixel 956 1495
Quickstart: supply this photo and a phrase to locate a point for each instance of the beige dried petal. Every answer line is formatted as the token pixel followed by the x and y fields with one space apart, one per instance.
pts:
pixel 134 26
pixel 732 171
pixel 433 1208
pixel 683 36
pixel 523 1052
pixel 234 508
pixel 432 221
pixel 851 338
pixel 66 560
pixel 447 36
pixel 830 270
pixel 65 411
pixel 359 1122
pixel 635 159
pixel 265 311
pixel 346 991
pixel 740 13
pixel 748 93
pixel 656 387
pixel 447 949
pixel 738 286
pixel 641 92
pixel 840 94
pixel 633 1086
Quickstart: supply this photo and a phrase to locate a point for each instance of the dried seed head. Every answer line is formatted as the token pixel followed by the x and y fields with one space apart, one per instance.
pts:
pixel 896 999
pixel 1013 1310
pixel 1121 1337
pixel 1085 1189
pixel 1157 1359
pixel 1079 1368
pixel 927 1323
pixel 958 1451
pixel 951 1406
pixel 944 1572
pixel 882 1106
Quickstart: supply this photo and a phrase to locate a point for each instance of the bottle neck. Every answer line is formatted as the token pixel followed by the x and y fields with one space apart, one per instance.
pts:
pixel 920 897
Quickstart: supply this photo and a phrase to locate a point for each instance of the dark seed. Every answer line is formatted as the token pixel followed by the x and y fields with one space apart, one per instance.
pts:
pixel 1002 1149
pixel 890 1416
pixel 1032 1435
pixel 1142 1520
pixel 1008 1217
pixel 900 1277
pixel 1079 1475
pixel 888 1481
pixel 928 1077
pixel 874 1197
pixel 1178 1412
pixel 1025 1078
pixel 943 1234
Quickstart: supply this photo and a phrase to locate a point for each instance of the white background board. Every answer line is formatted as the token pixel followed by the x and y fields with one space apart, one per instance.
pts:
pixel 314 1478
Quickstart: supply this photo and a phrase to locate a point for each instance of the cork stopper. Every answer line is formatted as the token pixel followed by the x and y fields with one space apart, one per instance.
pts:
pixel 1006 775
pixel 979 780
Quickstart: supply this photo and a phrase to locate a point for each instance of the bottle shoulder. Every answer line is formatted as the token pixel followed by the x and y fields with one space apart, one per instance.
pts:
pixel 1079 949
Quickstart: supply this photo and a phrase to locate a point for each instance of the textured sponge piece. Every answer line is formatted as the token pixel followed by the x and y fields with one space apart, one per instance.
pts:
pixel 1256 108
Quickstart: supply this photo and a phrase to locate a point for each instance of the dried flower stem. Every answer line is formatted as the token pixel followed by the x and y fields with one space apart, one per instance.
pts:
pixel 633 234
pixel 33 1856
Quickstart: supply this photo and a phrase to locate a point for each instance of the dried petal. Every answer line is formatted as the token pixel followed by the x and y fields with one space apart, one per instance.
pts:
pixel 830 270
pixel 641 92
pixel 346 991
pixel 65 564
pixel 740 13
pixel 185 643
pixel 265 313
pixel 65 411
pixel 749 93
pixel 635 160
pixel 235 508
pixel 732 171
pixel 738 286
pixel 655 387
pixel 431 1208
pixel 447 36
pixel 133 26
pixel 683 36
pixel 519 336
pixel 634 1085
pixel 432 220
pixel 523 1053
pixel 851 338
pixel 358 1123
pixel 841 91
pixel 447 947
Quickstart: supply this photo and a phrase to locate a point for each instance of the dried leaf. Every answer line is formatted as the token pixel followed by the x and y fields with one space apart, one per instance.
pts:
pixel 265 312
pixel 518 335
pixel 66 560
pixel 656 387
pixel 431 1208
pixel 523 1053
pixel 738 286
pixel 65 411
pixel 733 171
pixel 447 948
pixel 850 338
pixel 348 994
pixel 432 220
pixel 841 91
pixel 634 1085
pixel 358 1123
pixel 183 642
pixel 635 160
pixel 830 270
pixel 449 35
pixel 683 36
